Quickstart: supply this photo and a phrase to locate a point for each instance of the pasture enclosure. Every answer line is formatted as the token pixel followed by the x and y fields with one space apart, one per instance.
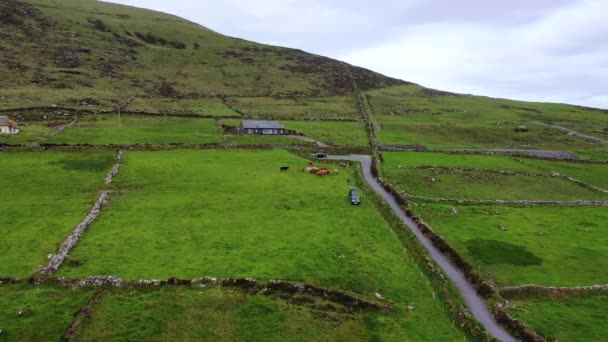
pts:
pixel 38 313
pixel 44 195
pixel 551 246
pixel 129 129
pixel 569 318
pixel 286 225
pixel 484 177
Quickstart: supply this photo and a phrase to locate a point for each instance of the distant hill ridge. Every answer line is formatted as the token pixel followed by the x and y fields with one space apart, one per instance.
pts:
pixel 91 49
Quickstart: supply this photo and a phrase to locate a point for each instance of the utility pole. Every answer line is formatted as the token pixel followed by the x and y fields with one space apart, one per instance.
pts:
pixel 309 120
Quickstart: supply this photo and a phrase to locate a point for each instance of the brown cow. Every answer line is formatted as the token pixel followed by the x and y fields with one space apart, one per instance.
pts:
pixel 322 173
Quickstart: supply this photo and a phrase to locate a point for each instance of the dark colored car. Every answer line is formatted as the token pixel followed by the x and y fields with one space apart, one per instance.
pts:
pixel 320 155
pixel 353 197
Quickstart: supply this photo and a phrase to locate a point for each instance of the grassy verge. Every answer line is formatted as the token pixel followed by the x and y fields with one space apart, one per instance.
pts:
pixel 44 195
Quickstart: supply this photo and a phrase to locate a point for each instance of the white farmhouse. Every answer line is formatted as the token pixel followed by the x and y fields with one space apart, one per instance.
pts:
pixel 8 126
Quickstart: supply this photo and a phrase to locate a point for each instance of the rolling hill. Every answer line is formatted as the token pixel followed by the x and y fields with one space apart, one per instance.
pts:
pixel 75 51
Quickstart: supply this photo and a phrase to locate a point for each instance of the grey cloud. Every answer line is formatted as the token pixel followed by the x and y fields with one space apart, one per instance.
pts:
pixel 543 50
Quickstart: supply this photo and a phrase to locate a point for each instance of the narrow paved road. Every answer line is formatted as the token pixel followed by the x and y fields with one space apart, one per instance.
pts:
pixel 474 301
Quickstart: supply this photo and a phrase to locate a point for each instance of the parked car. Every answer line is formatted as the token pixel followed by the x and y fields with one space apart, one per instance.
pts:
pixel 319 155
pixel 353 197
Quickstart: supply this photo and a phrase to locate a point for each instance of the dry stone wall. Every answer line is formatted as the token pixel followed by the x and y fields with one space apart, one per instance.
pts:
pixel 70 242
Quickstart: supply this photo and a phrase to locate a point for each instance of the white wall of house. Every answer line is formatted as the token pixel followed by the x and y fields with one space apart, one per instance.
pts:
pixel 8 130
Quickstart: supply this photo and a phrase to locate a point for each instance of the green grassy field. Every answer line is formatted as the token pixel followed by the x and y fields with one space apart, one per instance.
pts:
pixel 46 311
pixel 32 132
pixel 289 225
pixel 576 318
pixel 334 107
pixel 44 195
pixel 486 185
pixel 596 154
pixel 105 129
pixel 553 246
pixel 202 106
pixel 335 133
pixel 414 115
pixel 262 139
pixel 179 314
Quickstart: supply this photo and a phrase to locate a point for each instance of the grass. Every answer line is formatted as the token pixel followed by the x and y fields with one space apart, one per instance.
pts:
pixel 575 318
pixel 30 133
pixel 105 129
pixel 335 133
pixel 263 139
pixel 289 225
pixel 44 195
pixel 486 185
pixel 334 107
pixel 202 106
pixel 411 115
pixel 181 314
pixel 47 311
pixel 596 154
pixel 476 136
pixel 553 246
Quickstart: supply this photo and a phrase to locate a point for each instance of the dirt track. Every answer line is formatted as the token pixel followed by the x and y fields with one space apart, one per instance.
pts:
pixel 474 301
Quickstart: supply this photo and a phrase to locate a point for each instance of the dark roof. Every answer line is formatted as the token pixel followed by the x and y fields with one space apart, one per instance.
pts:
pixel 5 121
pixel 262 124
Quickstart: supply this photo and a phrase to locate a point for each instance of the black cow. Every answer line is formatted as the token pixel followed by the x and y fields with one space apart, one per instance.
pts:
pixel 284 168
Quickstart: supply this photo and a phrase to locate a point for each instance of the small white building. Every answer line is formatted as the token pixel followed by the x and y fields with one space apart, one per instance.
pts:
pixel 8 126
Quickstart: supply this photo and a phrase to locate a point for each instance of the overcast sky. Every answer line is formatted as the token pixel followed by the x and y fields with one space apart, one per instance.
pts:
pixel 538 50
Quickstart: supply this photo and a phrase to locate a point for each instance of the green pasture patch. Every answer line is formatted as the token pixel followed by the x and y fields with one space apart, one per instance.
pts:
pixel 446 135
pixel 331 132
pixel 29 133
pixel 487 185
pixel 202 106
pixel 46 312
pixel 552 246
pixel 254 139
pixel 183 314
pixel 596 154
pixel 332 107
pixel 415 115
pixel 44 196
pixel 109 129
pixel 234 214
pixel 575 318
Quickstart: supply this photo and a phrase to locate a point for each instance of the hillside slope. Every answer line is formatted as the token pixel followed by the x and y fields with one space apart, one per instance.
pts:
pixel 68 51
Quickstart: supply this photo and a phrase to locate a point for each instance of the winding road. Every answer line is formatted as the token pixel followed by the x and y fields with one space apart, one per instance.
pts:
pixel 474 301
